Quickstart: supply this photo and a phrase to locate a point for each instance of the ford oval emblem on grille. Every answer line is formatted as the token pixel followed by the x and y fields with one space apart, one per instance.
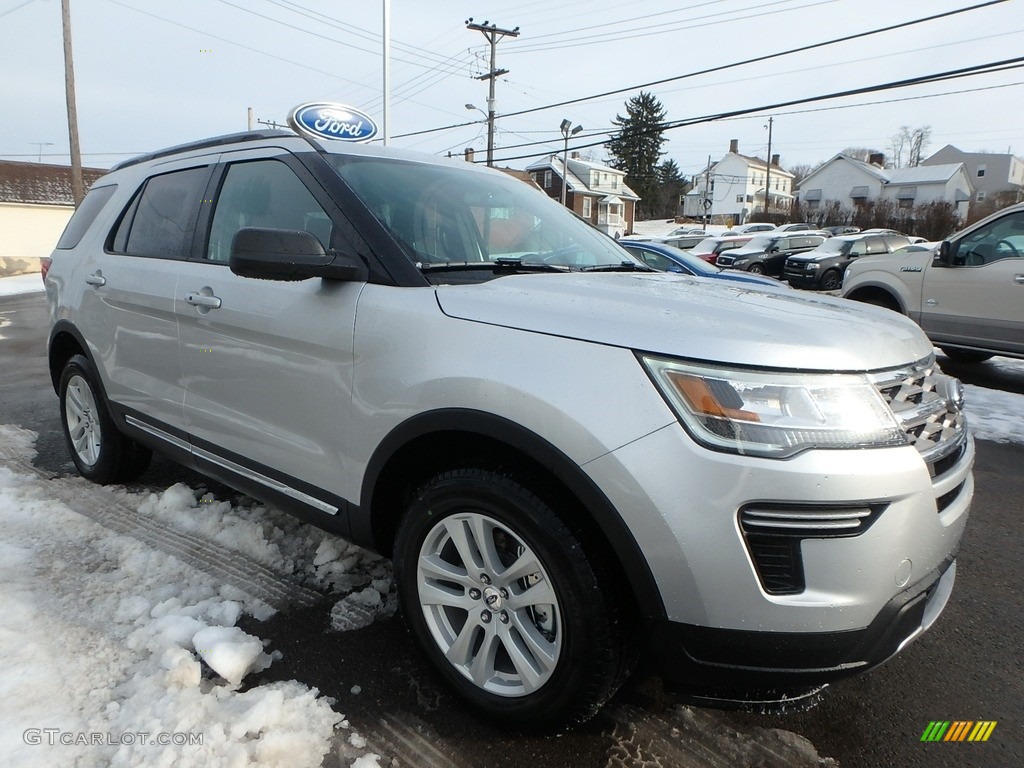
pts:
pixel 327 120
pixel 952 391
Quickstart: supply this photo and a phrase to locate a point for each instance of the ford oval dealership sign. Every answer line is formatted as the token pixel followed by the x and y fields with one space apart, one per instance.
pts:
pixel 327 120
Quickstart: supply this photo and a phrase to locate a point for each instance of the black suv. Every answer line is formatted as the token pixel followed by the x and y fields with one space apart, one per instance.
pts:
pixel 823 268
pixel 766 254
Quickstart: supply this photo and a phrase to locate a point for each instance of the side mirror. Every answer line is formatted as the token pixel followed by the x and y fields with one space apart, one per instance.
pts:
pixel 943 256
pixel 289 255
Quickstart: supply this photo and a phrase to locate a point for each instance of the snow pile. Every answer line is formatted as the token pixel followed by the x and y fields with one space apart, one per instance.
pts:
pixel 18 284
pixel 994 415
pixel 104 641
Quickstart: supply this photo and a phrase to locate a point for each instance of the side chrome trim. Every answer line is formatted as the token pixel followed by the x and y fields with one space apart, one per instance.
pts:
pixel 231 466
pixel 167 437
pixel 262 479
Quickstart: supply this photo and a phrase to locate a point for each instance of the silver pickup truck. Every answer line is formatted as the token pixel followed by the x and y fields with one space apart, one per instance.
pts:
pixel 967 294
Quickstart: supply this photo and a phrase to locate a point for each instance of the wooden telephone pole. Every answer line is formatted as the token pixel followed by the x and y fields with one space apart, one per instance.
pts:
pixel 493 35
pixel 77 184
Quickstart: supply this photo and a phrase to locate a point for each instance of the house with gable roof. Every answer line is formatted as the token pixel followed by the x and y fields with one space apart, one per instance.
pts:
pixel 735 188
pixel 595 192
pixel 854 183
pixel 35 205
pixel 997 178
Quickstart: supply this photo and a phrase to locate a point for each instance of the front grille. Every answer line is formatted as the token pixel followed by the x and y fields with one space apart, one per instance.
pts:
pixel 920 397
pixel 928 405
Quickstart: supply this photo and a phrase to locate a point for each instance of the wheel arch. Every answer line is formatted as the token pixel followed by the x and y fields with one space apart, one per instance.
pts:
pixel 871 293
pixel 65 341
pixel 431 442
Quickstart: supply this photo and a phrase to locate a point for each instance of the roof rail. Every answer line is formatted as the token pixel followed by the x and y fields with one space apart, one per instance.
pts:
pixel 216 141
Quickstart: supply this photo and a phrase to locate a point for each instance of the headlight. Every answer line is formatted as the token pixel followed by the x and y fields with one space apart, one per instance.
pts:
pixel 811 266
pixel 774 414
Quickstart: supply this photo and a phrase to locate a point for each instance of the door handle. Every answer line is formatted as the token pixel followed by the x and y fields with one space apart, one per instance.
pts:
pixel 1019 279
pixel 201 300
pixel 96 278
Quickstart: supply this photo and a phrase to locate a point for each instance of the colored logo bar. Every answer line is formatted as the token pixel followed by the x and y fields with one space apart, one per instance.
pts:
pixel 958 730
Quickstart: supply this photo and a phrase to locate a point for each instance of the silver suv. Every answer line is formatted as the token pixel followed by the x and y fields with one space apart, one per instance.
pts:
pixel 572 461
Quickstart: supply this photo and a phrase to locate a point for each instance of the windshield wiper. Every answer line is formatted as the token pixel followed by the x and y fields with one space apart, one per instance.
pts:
pixel 624 266
pixel 502 265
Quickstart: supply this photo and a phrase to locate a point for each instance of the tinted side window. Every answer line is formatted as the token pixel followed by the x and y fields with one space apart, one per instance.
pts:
pixel 1001 239
pixel 876 245
pixel 160 219
pixel 85 216
pixel 655 260
pixel 857 248
pixel 267 194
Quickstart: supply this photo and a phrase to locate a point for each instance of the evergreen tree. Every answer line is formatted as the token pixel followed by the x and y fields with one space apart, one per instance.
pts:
pixel 636 149
pixel 671 184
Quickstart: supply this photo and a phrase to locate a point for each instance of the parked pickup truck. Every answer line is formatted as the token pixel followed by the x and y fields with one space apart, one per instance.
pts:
pixel 967 294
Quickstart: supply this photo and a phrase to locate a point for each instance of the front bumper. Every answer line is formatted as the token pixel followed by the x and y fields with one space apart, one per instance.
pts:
pixel 735 665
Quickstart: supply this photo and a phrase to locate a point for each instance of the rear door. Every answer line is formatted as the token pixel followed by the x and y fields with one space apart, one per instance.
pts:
pixel 267 364
pixel 979 301
pixel 127 312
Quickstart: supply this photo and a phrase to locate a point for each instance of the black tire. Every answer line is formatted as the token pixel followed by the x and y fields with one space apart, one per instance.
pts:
pixel 100 452
pixel 965 355
pixel 756 268
pixel 582 630
pixel 831 280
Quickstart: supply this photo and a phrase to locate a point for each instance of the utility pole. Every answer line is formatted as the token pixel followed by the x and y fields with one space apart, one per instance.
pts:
pixel 768 171
pixel 77 184
pixel 706 202
pixel 493 35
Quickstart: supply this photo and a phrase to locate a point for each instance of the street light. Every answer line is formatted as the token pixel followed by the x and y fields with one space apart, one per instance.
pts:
pixel 490 131
pixel 567 131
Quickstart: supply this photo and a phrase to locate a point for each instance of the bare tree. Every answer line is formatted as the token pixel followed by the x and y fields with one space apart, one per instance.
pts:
pixel 898 144
pixel 919 139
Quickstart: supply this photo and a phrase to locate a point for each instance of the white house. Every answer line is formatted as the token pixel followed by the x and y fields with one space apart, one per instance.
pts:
pixel 853 183
pixel 596 192
pixel 735 188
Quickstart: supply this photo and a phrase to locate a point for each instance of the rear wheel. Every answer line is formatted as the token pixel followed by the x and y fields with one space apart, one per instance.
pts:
pixel 501 596
pixel 965 355
pixel 100 452
pixel 831 280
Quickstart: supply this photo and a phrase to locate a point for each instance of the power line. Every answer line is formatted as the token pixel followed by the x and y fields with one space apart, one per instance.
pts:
pixel 979 69
pixel 722 67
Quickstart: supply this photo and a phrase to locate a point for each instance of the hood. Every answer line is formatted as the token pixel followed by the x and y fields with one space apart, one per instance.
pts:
pixel 695 318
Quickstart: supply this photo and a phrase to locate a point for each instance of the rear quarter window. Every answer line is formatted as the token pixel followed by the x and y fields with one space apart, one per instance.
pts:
pixel 161 217
pixel 83 218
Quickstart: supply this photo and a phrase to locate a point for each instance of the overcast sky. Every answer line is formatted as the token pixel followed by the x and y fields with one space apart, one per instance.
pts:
pixel 153 73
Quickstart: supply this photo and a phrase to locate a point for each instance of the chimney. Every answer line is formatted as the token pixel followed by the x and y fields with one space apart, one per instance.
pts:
pixel 775 160
pixel 468 152
pixel 877 158
pixel 734 146
pixel 574 156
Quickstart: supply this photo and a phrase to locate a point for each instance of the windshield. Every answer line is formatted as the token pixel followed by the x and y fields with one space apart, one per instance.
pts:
pixel 452 218
pixel 707 245
pixel 762 243
pixel 832 246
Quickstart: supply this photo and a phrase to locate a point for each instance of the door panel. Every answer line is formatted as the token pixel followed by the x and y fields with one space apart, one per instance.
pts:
pixel 128 312
pixel 267 364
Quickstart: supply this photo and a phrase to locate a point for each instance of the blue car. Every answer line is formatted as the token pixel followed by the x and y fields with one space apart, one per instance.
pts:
pixel 666 258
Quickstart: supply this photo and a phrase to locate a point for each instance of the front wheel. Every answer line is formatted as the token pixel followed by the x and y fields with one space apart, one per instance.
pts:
pixel 503 600
pixel 100 452
pixel 757 269
pixel 831 280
